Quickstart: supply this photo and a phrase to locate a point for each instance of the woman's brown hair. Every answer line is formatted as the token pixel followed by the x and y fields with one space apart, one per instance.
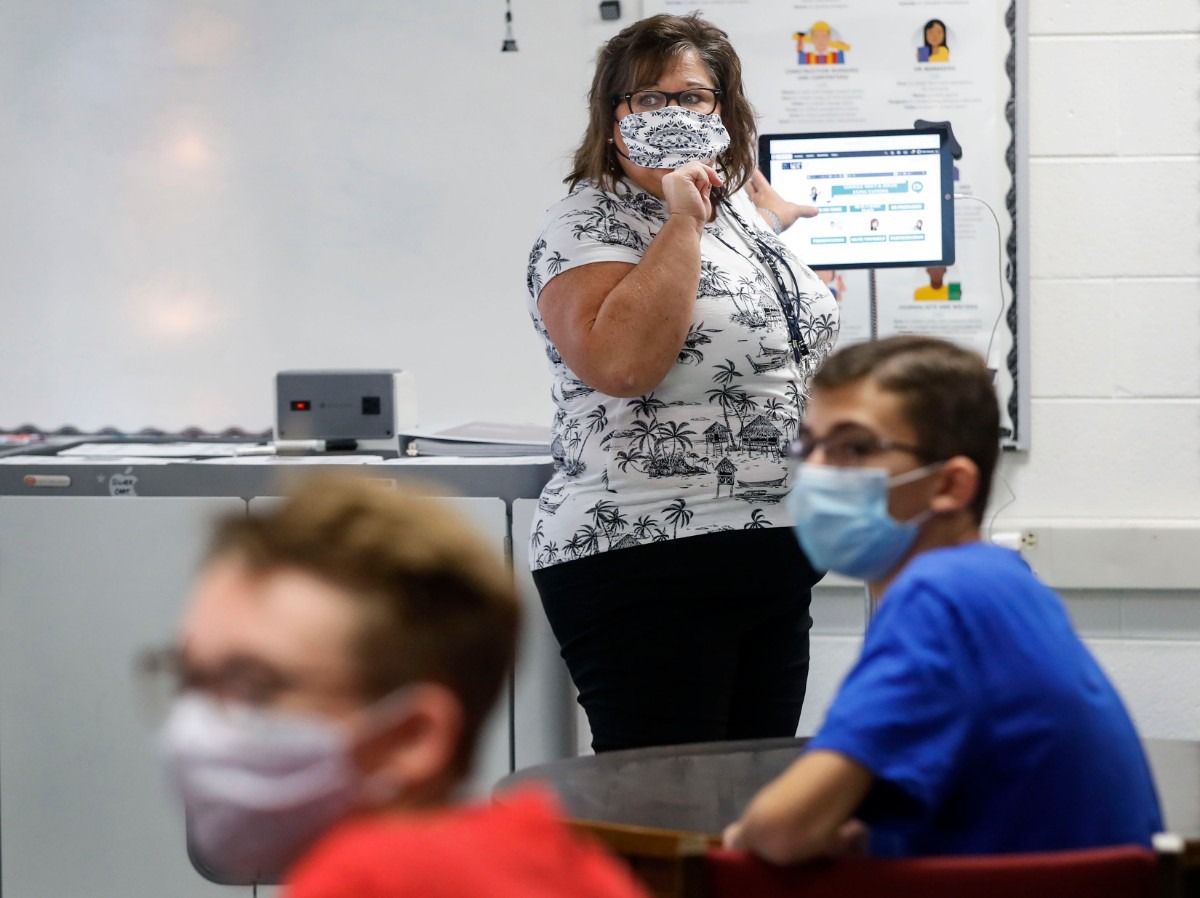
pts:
pixel 636 58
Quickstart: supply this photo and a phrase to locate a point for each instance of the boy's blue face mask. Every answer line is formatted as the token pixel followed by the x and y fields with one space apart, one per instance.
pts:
pixel 841 518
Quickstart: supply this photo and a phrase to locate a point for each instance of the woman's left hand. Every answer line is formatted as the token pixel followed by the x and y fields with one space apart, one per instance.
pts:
pixel 764 196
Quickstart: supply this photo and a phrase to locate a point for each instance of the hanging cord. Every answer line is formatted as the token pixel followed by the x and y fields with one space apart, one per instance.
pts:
pixel 999 267
pixel 1012 496
pixel 789 300
pixel 510 42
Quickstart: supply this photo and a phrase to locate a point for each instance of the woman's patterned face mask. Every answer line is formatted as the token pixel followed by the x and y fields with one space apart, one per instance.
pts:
pixel 672 137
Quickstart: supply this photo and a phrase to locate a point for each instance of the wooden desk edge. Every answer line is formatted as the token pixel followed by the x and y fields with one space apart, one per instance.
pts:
pixel 646 841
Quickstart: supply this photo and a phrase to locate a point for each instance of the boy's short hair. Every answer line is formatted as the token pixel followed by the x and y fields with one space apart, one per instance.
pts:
pixel 437 603
pixel 945 393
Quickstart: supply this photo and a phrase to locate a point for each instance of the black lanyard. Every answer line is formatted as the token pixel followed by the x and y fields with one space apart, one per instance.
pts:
pixel 788 295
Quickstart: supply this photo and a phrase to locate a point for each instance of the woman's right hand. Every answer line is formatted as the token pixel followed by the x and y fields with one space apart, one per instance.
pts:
pixel 688 191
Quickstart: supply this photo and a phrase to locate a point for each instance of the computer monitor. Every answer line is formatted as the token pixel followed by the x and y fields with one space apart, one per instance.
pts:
pixel 886 198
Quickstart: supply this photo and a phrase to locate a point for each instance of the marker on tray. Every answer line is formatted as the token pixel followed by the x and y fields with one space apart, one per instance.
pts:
pixel 299 447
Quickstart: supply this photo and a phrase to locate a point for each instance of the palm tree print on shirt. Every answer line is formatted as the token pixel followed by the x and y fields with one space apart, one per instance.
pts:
pixel 549 553
pixel 677 513
pixel 648 528
pixel 714 281
pixel 573 444
pixel 798 400
pixel 607 521
pixel 555 262
pixel 697 336
pixel 758 521
pixel 752 303
pixel 646 206
pixel 656 448
pixel 819 330
pixel 533 280
pixel 603 224
pixel 731 397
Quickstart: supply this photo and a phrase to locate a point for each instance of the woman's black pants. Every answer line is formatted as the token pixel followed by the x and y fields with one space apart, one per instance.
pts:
pixel 692 640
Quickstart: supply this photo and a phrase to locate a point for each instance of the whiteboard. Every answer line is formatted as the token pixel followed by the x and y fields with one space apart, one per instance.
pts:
pixel 199 193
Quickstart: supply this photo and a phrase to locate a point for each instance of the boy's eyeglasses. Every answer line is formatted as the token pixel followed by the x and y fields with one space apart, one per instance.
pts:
pixel 848 446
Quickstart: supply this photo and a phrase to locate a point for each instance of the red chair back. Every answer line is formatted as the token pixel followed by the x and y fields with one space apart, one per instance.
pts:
pixel 1121 872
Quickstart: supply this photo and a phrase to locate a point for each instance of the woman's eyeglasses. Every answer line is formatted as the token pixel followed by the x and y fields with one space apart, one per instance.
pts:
pixel 702 100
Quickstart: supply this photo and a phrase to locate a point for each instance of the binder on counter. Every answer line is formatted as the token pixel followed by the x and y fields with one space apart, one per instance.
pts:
pixel 479 439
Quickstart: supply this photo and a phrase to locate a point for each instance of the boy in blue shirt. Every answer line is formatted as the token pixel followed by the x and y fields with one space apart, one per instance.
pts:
pixel 975 721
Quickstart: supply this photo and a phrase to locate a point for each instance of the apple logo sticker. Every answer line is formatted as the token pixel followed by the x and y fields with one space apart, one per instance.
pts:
pixel 123 484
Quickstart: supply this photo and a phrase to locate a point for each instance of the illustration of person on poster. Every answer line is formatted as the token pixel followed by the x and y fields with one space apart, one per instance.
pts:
pixel 825 50
pixel 935 48
pixel 938 288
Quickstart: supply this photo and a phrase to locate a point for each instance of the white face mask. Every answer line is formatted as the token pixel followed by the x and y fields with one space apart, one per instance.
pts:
pixel 258 786
pixel 672 137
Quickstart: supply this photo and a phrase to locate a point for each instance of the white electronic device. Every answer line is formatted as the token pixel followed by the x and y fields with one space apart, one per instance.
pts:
pixel 885 198
pixel 364 409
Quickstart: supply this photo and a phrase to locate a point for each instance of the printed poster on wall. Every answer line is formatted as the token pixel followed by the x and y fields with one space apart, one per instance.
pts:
pixel 858 65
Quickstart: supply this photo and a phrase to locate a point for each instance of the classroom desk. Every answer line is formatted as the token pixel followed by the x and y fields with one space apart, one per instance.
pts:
pixel 702 788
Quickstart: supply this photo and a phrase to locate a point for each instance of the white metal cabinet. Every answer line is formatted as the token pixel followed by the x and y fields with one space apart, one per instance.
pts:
pixel 84 584
pixel 87 582
pixel 544 698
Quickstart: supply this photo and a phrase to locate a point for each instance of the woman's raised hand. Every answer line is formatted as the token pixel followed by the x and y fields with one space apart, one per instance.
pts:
pixel 764 196
pixel 688 191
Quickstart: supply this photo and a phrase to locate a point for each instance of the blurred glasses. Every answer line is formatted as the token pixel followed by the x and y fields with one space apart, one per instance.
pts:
pixel 847 447
pixel 702 100
pixel 162 675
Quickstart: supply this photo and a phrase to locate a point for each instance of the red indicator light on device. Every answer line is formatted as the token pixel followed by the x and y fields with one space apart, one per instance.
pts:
pixel 301 405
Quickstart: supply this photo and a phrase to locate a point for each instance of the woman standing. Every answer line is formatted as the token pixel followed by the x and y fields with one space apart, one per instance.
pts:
pixel 681 335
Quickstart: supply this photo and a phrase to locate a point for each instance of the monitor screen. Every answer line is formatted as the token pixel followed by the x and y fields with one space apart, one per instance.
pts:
pixel 885 198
